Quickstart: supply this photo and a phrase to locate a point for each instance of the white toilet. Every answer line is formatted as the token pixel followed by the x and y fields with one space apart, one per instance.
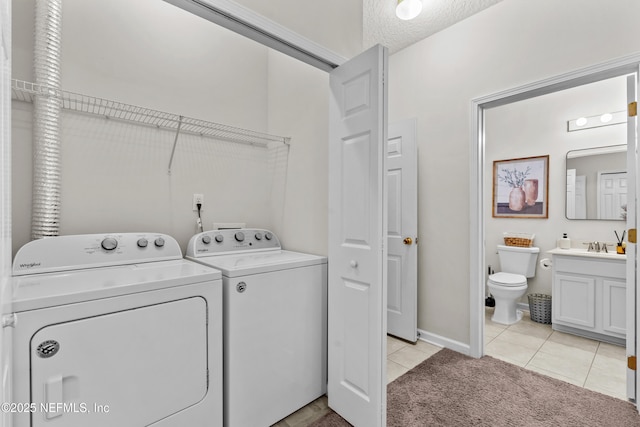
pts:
pixel 510 284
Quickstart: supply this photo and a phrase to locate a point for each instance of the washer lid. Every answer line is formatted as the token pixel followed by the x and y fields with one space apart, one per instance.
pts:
pixel 259 262
pixel 508 279
pixel 35 291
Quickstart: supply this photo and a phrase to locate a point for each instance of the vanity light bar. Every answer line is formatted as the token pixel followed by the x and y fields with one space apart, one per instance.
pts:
pixel 606 119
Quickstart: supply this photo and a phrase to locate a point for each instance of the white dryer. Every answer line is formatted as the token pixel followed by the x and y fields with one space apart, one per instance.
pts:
pixel 115 330
pixel 275 324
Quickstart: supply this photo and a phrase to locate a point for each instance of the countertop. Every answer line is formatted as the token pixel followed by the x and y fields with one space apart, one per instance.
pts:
pixel 584 253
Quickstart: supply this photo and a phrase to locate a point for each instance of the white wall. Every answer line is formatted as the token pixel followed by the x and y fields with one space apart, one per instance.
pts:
pixel 334 24
pixel 299 107
pixel 114 175
pixel 538 127
pixel 510 44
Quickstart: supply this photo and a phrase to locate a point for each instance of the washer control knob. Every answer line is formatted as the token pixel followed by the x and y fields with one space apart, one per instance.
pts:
pixel 142 242
pixel 239 236
pixel 159 242
pixel 109 244
pixel 219 238
pixel 258 236
pixel 268 235
pixel 206 239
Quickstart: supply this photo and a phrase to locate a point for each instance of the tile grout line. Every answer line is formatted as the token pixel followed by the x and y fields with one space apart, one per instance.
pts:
pixel 591 365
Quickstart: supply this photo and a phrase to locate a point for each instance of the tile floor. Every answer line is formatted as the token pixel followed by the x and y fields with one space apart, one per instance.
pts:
pixel 586 363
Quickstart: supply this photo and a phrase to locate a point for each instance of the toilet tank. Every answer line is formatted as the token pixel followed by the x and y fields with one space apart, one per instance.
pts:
pixel 517 260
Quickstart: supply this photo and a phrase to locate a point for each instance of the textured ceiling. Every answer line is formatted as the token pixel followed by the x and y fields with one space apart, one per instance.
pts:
pixel 380 24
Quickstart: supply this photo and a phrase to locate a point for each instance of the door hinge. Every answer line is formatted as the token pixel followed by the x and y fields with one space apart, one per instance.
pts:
pixel 632 236
pixel 633 109
pixel 631 363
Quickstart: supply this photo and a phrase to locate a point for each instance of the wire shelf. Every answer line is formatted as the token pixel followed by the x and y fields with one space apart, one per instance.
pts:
pixel 26 92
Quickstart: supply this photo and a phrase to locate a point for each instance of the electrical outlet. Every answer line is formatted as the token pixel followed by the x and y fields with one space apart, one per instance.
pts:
pixel 198 198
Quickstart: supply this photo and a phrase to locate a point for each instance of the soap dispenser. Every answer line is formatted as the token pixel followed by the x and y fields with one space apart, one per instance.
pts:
pixel 564 242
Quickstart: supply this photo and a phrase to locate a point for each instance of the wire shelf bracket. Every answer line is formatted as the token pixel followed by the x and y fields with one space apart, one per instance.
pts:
pixel 27 92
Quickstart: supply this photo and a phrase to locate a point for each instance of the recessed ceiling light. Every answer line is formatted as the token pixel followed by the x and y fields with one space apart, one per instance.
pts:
pixel 581 121
pixel 408 9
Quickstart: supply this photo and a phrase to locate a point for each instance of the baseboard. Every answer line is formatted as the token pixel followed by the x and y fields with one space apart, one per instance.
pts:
pixel 444 342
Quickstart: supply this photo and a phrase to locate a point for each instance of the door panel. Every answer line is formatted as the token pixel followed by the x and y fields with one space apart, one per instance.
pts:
pixel 402 282
pixel 357 230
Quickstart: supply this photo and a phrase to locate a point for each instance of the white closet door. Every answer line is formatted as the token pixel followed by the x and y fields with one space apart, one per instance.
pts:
pixel 357 320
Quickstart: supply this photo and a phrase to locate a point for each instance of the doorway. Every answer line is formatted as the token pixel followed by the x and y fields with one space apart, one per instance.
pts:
pixel 481 244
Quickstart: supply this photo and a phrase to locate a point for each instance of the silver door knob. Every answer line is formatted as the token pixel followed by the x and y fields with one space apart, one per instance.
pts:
pixel 353 263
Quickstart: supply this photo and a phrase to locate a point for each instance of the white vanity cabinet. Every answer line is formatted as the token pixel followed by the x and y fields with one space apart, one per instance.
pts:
pixel 589 294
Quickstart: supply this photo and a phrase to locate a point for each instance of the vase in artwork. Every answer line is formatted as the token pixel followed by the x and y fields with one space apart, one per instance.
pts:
pixel 516 199
pixel 530 191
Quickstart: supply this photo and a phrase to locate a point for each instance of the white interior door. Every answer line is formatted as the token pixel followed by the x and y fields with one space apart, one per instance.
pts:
pixel 612 194
pixel 581 197
pixel 357 252
pixel 632 255
pixel 571 193
pixel 402 229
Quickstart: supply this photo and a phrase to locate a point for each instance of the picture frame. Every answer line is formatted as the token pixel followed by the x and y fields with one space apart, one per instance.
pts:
pixel 521 188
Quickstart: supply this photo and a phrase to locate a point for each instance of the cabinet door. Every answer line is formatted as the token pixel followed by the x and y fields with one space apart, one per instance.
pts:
pixel 614 313
pixel 574 300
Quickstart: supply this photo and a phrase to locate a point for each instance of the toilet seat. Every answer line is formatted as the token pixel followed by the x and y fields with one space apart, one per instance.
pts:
pixel 507 279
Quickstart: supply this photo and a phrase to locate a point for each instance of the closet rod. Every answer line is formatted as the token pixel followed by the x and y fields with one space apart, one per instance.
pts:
pixel 26 91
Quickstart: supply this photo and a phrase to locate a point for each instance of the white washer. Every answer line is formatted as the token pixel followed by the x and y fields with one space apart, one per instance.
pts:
pixel 275 324
pixel 115 330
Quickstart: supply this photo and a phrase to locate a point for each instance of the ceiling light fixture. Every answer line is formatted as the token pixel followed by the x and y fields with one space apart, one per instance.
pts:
pixel 408 9
pixel 597 121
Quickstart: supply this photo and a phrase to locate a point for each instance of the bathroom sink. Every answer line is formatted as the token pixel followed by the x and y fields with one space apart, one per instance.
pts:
pixel 584 253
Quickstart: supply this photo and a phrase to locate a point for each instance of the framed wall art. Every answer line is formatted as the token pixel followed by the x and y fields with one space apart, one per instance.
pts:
pixel 521 188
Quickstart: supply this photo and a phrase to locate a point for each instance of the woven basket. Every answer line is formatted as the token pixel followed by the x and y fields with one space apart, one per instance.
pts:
pixel 523 240
pixel 540 308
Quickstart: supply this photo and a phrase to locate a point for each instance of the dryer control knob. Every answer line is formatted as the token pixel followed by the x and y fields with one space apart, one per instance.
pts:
pixel 219 238
pixel 258 236
pixel 268 235
pixel 142 242
pixel 109 244
pixel 159 242
pixel 239 236
pixel 206 239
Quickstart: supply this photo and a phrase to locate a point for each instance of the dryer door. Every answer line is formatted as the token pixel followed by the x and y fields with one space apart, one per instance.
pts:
pixel 130 368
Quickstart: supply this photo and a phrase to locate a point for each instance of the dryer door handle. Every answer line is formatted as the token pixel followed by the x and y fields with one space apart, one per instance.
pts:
pixel 53 395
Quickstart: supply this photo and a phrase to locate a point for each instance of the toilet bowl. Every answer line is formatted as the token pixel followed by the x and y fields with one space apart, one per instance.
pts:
pixel 508 286
pixel 507 289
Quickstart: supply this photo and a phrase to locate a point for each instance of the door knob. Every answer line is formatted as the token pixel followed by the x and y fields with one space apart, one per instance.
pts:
pixel 353 264
pixel 408 240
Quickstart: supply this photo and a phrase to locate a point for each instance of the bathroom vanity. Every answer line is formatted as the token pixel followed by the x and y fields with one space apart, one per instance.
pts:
pixel 589 294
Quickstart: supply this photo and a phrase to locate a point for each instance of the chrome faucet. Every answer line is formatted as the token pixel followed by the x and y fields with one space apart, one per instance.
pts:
pixel 597 247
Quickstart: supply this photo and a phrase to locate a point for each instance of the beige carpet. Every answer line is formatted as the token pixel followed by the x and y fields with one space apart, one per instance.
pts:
pixel 450 389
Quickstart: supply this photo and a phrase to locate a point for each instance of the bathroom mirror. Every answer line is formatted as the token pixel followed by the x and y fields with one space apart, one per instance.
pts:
pixel 597 183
